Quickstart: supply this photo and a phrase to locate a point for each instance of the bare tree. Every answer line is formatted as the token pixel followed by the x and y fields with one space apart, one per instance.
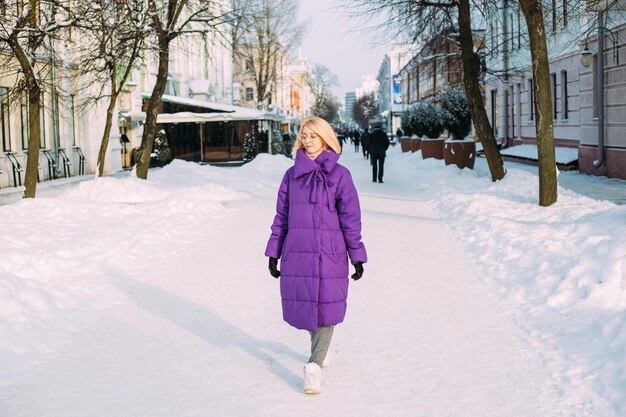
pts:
pixel 263 33
pixel 169 20
pixel 548 186
pixel 365 108
pixel 416 20
pixel 330 109
pixel 28 28
pixel 114 31
pixel 320 80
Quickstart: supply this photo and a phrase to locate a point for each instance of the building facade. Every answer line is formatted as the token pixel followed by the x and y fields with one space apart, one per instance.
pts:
pixel 575 88
pixel 390 101
pixel 436 66
pixel 200 73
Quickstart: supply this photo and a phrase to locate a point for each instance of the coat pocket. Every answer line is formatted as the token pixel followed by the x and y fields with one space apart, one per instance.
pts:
pixel 339 245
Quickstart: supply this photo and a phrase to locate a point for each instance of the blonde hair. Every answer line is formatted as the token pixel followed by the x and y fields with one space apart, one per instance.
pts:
pixel 321 129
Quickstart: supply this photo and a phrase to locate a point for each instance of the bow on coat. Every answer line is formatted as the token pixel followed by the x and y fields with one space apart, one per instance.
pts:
pixel 316 177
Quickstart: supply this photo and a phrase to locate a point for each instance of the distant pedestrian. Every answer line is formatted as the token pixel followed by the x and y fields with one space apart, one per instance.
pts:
pixel 356 136
pixel 398 135
pixel 378 145
pixel 365 141
pixel 316 227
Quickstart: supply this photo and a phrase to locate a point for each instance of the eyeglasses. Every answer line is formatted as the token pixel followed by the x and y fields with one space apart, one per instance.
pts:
pixel 304 139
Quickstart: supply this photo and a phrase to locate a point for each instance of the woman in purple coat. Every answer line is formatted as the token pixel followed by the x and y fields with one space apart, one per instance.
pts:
pixel 316 227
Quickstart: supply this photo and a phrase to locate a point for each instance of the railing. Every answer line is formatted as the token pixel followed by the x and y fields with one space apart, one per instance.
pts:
pixel 52 164
pixel 17 168
pixel 39 168
pixel 66 163
pixel 81 160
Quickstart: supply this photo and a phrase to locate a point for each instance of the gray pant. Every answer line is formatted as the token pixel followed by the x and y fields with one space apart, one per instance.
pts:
pixel 320 341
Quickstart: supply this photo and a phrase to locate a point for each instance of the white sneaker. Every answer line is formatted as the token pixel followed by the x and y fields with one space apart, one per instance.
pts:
pixel 312 378
pixel 326 360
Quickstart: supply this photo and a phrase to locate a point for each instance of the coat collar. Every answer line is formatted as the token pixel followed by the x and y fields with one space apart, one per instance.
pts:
pixel 325 161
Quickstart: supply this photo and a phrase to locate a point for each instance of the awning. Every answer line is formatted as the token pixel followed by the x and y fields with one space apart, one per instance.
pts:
pixel 183 117
pixel 133 115
pixel 185 101
pixel 218 112
pixel 241 114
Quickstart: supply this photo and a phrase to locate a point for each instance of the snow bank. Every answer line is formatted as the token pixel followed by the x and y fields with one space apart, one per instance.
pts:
pixel 561 155
pixel 57 252
pixel 564 265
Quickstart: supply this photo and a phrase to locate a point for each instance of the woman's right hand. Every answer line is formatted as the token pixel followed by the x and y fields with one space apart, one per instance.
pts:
pixel 274 267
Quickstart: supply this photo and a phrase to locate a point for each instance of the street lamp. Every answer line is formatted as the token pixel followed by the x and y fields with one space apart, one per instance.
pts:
pixel 586 57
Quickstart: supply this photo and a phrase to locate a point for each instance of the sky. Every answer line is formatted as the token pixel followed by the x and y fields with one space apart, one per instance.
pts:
pixel 339 42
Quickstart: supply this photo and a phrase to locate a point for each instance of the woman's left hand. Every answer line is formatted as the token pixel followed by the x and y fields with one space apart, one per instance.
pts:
pixel 358 271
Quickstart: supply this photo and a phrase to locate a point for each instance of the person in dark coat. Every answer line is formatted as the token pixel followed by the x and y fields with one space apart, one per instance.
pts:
pixel 378 145
pixel 356 137
pixel 316 229
pixel 365 143
pixel 398 135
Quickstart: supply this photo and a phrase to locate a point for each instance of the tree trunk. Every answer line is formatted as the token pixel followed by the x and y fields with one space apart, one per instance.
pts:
pixel 471 77
pixel 548 186
pixel 34 106
pixel 104 143
pixel 34 136
pixel 150 125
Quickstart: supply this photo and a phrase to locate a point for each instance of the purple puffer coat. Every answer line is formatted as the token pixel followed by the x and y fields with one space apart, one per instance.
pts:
pixel 318 219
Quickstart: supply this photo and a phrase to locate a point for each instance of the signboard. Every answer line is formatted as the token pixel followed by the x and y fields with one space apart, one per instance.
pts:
pixel 397 89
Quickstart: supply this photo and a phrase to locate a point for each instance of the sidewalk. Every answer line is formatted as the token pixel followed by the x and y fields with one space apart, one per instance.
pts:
pixel 598 188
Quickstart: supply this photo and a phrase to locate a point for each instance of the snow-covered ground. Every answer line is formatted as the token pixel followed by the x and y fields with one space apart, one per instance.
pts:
pixel 561 155
pixel 121 297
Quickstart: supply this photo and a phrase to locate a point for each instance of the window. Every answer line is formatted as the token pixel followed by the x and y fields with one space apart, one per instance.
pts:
pixel 512 23
pixel 595 86
pixel 42 122
pixel 512 106
pixel 24 120
pixel 519 106
pixel 565 13
pixel 564 98
pixel 416 83
pixel 519 28
pixel 249 65
pixel 73 118
pixel 5 119
pixel 553 23
pixel 494 111
pixel 555 111
pixel 531 100
pixel 249 94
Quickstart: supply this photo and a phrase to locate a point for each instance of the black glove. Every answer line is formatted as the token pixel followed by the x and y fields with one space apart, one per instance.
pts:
pixel 358 271
pixel 274 267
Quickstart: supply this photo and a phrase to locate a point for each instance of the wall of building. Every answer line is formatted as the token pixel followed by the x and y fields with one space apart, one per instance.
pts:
pixel 573 90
